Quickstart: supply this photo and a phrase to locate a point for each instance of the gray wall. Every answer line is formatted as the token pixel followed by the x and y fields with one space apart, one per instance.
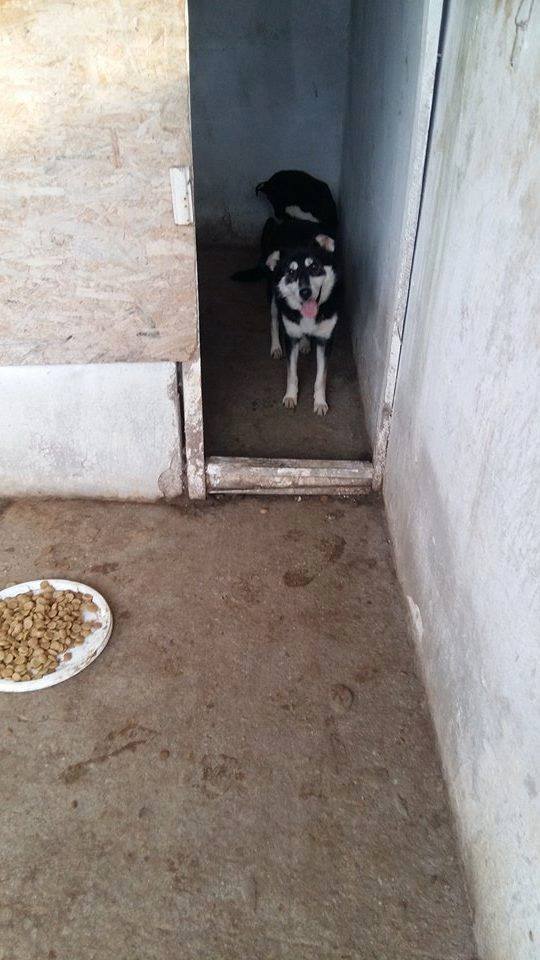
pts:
pixel 267 90
pixel 462 480
pixel 108 430
pixel 387 47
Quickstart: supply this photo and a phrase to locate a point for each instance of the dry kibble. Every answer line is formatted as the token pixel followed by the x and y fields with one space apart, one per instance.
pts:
pixel 36 630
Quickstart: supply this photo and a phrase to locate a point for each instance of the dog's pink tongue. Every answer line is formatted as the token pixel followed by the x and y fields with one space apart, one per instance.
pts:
pixel 309 309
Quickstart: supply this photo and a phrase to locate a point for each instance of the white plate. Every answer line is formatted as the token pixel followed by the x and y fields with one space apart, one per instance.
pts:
pixel 81 655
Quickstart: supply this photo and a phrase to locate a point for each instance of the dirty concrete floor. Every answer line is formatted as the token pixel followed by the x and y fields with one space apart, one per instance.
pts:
pixel 248 771
pixel 243 387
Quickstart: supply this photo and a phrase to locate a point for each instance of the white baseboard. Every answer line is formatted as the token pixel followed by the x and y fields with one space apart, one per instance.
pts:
pixel 95 430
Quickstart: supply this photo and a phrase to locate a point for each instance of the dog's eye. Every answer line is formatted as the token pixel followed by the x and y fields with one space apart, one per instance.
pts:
pixel 291 273
pixel 315 269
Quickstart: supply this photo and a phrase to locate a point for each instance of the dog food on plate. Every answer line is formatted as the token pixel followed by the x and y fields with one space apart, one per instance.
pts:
pixel 37 630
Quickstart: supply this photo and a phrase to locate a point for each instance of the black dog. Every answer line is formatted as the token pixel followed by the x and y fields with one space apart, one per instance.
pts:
pixel 296 195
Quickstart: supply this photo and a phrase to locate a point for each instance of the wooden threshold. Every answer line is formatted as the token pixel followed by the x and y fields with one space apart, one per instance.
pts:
pixel 266 476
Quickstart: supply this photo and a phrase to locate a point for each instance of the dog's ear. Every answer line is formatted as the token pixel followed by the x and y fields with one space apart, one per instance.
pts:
pixel 272 260
pixel 327 243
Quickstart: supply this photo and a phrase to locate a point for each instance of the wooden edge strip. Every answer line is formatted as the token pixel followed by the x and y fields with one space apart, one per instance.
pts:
pixel 252 475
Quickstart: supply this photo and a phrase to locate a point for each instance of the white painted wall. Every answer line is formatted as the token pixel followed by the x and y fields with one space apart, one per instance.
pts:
pixel 267 89
pixel 462 480
pixel 93 430
pixel 393 56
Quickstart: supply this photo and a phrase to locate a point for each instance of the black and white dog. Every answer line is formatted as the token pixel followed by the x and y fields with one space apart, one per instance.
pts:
pixel 298 259
pixel 303 296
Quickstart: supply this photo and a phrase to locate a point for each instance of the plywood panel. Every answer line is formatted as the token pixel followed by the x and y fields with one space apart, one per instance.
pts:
pixel 94 113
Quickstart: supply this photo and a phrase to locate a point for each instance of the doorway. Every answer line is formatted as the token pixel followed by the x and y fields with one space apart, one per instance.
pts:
pixel 344 94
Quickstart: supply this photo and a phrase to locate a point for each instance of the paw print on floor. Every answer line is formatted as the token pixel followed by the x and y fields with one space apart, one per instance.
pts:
pixel 220 773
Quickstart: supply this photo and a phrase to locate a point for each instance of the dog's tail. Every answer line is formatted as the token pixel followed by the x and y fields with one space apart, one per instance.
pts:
pixel 249 276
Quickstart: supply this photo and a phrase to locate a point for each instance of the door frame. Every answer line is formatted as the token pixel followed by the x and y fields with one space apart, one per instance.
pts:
pixel 248 475
pixel 432 30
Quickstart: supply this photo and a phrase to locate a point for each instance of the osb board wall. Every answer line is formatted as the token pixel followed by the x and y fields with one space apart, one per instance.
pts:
pixel 95 111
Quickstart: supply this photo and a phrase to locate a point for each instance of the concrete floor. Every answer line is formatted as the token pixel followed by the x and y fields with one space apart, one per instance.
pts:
pixel 248 772
pixel 243 387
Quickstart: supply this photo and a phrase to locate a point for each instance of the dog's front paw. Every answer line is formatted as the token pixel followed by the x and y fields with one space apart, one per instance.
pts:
pixel 289 401
pixel 320 407
pixel 305 345
pixel 276 353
